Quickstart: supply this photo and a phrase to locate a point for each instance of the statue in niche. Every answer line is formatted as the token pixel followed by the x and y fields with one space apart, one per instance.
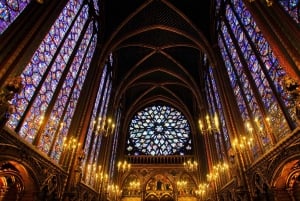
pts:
pixel 293 89
pixel 11 87
pixel 159 185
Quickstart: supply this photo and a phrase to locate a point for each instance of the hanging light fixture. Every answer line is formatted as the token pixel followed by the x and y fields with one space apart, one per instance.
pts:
pixel 103 126
pixel 123 166
pixel 190 165
pixel 268 2
pixel 209 124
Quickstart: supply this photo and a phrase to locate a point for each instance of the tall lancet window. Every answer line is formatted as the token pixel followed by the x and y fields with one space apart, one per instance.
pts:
pixel 9 11
pixel 53 80
pixel 255 76
pixel 215 116
pixel 100 126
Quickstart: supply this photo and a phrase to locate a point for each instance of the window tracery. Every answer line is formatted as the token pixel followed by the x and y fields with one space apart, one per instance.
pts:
pixel 159 130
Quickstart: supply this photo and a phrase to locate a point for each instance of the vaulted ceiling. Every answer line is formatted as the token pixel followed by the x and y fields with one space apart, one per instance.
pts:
pixel 158 48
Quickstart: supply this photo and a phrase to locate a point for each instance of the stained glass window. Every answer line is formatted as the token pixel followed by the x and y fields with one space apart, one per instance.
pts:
pixel 159 130
pixel 215 108
pixel 292 7
pixel 95 132
pixel 94 118
pixel 9 11
pixel 54 79
pixel 254 74
pixel 117 134
pixel 40 64
pixel 212 112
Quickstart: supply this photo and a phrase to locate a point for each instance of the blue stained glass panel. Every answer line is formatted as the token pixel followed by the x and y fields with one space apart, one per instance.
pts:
pixel 159 130
pixel 36 69
pixel 52 79
pixel 9 11
pixel 292 7
pixel 94 115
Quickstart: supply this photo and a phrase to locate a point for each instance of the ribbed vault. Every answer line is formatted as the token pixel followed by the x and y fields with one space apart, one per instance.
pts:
pixel 159 47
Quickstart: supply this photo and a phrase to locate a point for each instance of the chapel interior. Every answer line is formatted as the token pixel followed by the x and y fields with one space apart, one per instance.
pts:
pixel 149 100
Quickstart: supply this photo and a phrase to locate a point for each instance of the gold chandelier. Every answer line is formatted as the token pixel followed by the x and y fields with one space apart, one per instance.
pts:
pixel 268 2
